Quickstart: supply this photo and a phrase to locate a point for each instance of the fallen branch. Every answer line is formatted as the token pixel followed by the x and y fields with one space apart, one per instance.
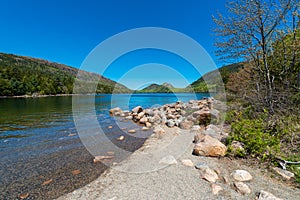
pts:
pixel 283 163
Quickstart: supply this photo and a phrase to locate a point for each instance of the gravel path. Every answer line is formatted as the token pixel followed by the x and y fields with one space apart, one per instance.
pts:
pixel 146 175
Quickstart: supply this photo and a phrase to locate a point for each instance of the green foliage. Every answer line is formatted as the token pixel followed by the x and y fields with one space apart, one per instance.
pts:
pixel 258 140
pixel 28 76
pixel 210 81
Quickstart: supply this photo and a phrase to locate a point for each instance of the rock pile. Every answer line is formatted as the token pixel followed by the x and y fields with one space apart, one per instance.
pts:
pixel 182 115
pixel 199 116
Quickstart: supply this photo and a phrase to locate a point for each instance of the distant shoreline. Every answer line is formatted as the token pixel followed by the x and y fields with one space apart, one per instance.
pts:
pixel 61 95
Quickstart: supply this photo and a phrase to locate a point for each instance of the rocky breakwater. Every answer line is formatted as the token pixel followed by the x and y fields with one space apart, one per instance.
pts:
pixel 200 116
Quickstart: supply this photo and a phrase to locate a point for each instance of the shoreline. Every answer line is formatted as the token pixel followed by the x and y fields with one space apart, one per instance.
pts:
pixel 61 95
pixel 175 180
pixel 182 162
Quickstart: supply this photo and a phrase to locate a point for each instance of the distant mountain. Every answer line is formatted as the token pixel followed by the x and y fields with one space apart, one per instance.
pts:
pixel 164 88
pixel 211 79
pixel 155 88
pixel 20 75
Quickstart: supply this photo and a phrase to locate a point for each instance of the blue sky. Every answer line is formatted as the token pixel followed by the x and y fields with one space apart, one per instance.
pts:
pixel 65 31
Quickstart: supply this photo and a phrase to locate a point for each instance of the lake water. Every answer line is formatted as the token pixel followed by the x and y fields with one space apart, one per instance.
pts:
pixel 39 141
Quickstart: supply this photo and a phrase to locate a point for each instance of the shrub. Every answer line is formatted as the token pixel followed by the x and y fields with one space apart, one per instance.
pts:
pixel 258 140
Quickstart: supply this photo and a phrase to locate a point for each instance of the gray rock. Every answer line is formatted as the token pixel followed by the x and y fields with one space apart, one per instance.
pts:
pixel 241 175
pixel 200 164
pixel 149 112
pixel 263 195
pixel 168 160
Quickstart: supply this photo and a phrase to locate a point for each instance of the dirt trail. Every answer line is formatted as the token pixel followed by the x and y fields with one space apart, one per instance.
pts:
pixel 145 175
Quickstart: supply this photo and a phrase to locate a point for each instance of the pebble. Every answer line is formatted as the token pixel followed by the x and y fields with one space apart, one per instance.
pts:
pixel 76 172
pixel 145 128
pixel 121 138
pixel 47 182
pixel 187 162
pixel 168 160
pixel 132 131
pixel 24 195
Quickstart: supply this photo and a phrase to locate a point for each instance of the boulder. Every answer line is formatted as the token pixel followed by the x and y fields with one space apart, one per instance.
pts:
pixel 202 116
pixel 148 124
pixel 186 124
pixel 137 109
pixel 144 120
pixel 115 110
pixel 263 195
pixel 241 175
pixel 140 115
pixel 209 146
pixel 242 188
pixel 149 112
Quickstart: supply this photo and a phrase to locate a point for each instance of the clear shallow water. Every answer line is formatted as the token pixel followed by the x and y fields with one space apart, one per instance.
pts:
pixel 38 134
pixel 28 122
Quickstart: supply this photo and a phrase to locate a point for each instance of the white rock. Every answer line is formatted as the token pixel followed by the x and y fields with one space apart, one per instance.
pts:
pixel 145 128
pixel 121 138
pixel 187 162
pixel 241 175
pixel 131 131
pixel 263 195
pixel 168 160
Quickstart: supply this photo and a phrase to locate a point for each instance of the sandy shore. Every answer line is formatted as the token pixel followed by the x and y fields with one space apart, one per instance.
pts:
pixel 146 175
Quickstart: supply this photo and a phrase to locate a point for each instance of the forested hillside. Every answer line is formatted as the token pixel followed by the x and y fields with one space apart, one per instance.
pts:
pixel 21 75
